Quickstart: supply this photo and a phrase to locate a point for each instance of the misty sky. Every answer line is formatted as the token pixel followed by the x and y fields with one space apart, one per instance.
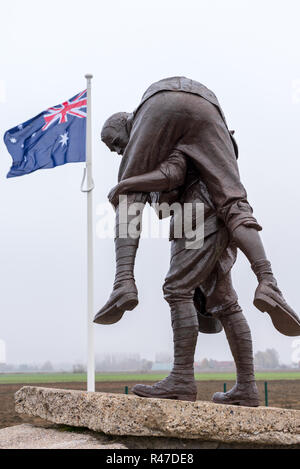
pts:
pixel 247 52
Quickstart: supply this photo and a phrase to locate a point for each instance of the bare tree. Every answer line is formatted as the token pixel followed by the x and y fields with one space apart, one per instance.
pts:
pixel 269 359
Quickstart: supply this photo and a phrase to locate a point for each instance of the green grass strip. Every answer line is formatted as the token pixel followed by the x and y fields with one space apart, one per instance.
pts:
pixel 31 378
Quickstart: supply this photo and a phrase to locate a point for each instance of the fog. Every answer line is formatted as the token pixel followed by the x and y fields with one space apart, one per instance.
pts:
pixel 246 52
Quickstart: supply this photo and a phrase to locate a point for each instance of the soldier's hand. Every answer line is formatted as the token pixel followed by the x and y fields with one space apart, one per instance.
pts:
pixel 114 194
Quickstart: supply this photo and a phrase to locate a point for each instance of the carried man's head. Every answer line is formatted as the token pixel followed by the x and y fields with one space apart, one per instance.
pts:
pixel 115 132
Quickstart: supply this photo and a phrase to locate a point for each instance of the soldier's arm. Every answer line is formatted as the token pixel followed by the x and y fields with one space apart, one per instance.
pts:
pixel 169 175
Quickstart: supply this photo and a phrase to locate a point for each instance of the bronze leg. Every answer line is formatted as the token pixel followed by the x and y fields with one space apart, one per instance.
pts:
pixel 180 384
pixel 268 298
pixel 124 296
pixel 239 338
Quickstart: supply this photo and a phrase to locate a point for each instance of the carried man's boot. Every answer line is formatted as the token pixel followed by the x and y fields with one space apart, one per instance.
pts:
pixel 268 298
pixel 180 384
pixel 124 296
pixel 238 334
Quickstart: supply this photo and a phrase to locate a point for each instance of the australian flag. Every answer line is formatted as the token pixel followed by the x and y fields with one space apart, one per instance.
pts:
pixel 52 138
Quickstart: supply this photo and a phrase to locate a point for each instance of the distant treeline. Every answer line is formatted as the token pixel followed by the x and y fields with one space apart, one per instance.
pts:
pixel 267 360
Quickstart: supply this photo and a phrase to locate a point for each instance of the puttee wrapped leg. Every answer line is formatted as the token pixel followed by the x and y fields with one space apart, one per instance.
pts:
pixel 180 384
pixel 239 338
pixel 124 296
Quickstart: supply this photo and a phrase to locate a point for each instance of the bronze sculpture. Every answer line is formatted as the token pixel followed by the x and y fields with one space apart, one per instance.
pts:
pixel 177 143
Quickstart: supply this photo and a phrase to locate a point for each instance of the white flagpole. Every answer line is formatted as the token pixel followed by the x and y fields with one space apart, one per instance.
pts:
pixel 88 186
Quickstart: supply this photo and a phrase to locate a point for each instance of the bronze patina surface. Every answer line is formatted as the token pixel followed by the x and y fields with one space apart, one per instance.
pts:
pixel 176 146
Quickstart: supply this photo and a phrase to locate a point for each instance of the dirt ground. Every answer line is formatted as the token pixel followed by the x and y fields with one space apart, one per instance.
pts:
pixel 285 393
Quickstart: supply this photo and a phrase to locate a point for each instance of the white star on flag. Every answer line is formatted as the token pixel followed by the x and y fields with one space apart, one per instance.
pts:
pixel 64 139
pixel 13 140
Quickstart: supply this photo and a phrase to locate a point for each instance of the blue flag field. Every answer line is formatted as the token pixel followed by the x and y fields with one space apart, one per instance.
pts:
pixel 54 137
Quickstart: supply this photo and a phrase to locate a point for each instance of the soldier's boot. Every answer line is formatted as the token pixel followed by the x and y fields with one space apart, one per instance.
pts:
pixel 180 384
pixel 238 334
pixel 268 298
pixel 124 296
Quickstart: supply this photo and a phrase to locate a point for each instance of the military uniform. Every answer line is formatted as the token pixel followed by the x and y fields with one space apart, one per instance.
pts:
pixel 181 115
pixel 179 127
pixel 208 267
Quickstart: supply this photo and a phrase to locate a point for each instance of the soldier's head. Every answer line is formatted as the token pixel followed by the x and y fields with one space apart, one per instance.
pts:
pixel 115 132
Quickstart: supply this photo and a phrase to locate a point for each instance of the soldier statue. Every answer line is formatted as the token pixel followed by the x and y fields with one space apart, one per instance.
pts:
pixel 176 147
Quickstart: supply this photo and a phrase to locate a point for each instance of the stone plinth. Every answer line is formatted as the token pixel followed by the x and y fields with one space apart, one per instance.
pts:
pixel 120 414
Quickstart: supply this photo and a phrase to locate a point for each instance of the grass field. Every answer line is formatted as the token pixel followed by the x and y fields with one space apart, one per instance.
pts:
pixel 7 378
